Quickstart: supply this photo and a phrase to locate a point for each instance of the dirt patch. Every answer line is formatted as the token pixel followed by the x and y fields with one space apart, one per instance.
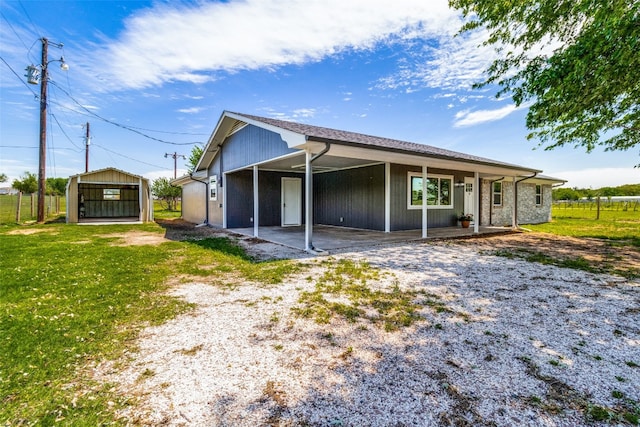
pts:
pixel 28 231
pixel 136 238
pixel 602 254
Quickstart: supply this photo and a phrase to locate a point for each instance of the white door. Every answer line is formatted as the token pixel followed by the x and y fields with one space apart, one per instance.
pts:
pixel 291 201
pixel 469 195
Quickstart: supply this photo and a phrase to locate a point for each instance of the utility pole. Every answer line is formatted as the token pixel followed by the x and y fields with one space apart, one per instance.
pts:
pixel 34 76
pixel 42 180
pixel 175 156
pixel 86 157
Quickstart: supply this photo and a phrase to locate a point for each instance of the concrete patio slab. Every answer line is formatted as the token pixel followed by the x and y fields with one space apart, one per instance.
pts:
pixel 330 238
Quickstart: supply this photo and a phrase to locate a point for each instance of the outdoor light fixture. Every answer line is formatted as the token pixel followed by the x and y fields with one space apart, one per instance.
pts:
pixel 459 184
pixel 33 71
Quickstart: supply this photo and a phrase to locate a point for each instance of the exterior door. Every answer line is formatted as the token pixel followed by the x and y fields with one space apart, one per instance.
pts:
pixel 469 195
pixel 291 201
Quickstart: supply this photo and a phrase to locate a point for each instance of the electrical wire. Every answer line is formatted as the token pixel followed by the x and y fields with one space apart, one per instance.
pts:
pixel 118 124
pixel 79 149
pixel 15 32
pixel 127 157
pixel 35 29
pixel 19 78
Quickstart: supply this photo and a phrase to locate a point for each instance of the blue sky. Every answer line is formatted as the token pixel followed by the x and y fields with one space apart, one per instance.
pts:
pixel 169 69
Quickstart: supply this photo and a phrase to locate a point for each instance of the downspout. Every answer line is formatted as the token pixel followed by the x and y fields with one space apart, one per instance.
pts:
pixel 206 200
pixel 309 216
pixel 491 199
pixel 515 193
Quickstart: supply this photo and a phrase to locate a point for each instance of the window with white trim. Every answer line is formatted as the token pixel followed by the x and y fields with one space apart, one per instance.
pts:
pixel 439 191
pixel 538 195
pixel 497 193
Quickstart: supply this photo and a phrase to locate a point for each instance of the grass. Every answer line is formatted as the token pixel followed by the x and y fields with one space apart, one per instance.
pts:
pixel 9 204
pixel 618 226
pixel 70 298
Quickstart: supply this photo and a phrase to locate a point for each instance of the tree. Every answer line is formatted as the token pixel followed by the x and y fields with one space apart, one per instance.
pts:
pixel 194 158
pixel 57 186
pixel 167 193
pixel 577 62
pixel 28 183
pixel 3 177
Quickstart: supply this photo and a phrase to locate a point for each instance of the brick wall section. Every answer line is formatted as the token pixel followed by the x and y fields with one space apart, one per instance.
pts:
pixel 528 211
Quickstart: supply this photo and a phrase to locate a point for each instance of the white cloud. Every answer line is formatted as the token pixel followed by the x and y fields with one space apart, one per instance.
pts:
pixel 192 110
pixel 598 177
pixel 471 118
pixel 191 42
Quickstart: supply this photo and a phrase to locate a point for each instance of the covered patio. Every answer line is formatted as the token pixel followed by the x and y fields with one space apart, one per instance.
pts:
pixel 331 238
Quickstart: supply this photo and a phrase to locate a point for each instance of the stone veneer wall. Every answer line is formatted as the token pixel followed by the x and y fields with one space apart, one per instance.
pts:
pixel 528 212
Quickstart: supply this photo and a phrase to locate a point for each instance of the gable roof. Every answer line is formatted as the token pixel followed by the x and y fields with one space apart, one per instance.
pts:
pixel 335 136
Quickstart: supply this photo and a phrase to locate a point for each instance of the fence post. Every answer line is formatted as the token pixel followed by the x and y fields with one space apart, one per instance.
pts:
pixel 18 207
pixel 598 205
pixel 33 205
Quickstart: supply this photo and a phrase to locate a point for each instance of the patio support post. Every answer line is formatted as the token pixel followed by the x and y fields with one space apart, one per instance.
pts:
pixel 514 220
pixel 308 203
pixel 224 204
pixel 424 201
pixel 476 203
pixel 387 197
pixel 256 207
pixel 140 203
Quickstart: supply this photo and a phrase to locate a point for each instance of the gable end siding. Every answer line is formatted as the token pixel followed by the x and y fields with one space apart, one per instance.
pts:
pixel 251 145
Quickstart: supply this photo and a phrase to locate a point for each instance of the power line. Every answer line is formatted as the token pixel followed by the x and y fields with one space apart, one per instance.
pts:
pixel 15 32
pixel 118 124
pixel 19 78
pixel 127 157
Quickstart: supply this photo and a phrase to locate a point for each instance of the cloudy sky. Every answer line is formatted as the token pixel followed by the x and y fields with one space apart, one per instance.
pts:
pixel 152 79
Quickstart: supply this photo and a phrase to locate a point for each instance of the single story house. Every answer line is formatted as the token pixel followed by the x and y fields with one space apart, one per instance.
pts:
pixel 258 171
pixel 108 195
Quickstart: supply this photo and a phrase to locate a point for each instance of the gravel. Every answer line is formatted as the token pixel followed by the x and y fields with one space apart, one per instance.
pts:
pixel 521 344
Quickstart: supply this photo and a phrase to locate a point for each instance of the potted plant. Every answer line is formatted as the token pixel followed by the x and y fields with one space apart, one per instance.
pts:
pixel 465 220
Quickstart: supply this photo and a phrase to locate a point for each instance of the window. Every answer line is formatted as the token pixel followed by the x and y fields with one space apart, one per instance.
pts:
pixel 538 194
pixel 439 194
pixel 497 193
pixel 213 187
pixel 110 194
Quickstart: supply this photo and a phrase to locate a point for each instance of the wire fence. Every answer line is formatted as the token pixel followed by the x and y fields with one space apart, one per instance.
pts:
pixel 592 205
pixel 20 208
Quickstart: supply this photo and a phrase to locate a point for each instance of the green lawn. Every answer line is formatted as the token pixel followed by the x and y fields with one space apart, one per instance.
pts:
pixel 9 207
pixel 70 296
pixel 614 224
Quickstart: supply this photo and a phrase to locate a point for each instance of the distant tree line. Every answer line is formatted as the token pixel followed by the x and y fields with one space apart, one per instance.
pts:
pixel 28 184
pixel 579 193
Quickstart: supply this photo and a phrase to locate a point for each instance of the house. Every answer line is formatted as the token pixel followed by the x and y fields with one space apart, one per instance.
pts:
pixel 258 172
pixel 108 195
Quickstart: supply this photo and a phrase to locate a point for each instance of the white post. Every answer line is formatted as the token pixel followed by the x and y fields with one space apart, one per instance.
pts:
pixel 140 203
pixel 308 203
pixel 387 197
pixel 514 220
pixel 224 200
pixel 256 207
pixel 424 201
pixel 476 202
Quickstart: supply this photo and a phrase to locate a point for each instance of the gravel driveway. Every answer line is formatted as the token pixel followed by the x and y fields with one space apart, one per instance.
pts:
pixel 518 343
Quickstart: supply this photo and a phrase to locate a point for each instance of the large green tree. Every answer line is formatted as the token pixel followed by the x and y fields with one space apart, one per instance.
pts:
pixel 194 158
pixel 167 193
pixel 575 61
pixel 28 183
pixel 3 177
pixel 57 186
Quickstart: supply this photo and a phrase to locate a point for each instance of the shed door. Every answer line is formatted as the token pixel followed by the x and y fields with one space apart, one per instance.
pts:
pixel 291 201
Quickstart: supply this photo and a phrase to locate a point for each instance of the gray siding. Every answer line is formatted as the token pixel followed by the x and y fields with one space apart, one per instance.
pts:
pixel 240 205
pixel 403 218
pixel 252 145
pixel 354 195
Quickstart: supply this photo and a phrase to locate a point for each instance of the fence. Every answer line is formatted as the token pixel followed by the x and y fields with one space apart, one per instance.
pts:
pixel 20 208
pixel 592 205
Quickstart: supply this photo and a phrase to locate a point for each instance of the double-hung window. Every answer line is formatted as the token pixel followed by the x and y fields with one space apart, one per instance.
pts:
pixel 439 191
pixel 497 193
pixel 538 195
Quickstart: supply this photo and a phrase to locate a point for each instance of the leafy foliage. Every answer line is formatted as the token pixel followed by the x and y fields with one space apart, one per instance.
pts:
pixel 28 183
pixel 576 60
pixel 166 192
pixel 578 193
pixel 194 158
pixel 57 186
pixel 3 177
